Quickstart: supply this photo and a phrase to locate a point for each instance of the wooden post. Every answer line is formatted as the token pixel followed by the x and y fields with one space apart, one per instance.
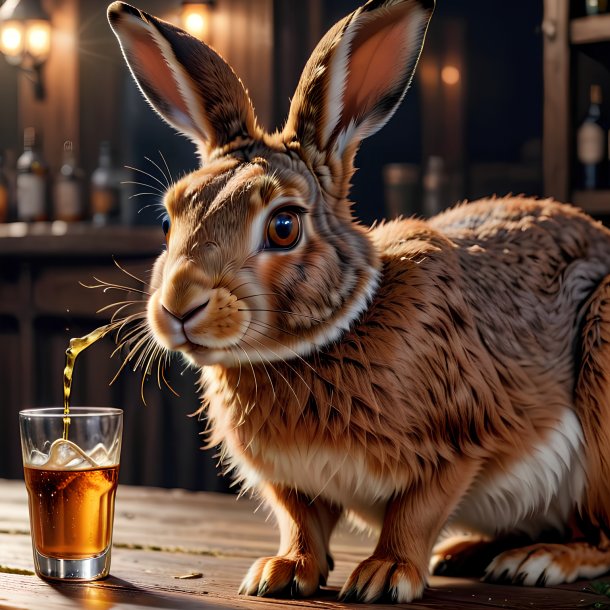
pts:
pixel 556 129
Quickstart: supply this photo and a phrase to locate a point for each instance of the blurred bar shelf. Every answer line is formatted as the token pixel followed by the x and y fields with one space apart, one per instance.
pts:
pixel 61 239
pixel 593 202
pixel 590 30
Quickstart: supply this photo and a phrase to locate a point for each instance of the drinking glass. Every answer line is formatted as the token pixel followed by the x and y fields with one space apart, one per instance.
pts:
pixel 71 470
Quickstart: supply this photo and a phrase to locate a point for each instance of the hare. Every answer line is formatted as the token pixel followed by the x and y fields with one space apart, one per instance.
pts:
pixel 418 377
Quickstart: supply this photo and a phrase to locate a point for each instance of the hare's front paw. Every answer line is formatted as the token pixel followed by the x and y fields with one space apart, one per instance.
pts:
pixel 298 576
pixel 378 579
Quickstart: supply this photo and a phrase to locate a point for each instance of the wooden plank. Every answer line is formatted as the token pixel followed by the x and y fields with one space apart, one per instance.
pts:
pixel 557 123
pixel 590 30
pixel 80 239
pixel 162 534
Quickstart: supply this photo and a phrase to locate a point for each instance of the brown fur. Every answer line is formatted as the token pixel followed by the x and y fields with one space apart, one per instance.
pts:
pixel 395 374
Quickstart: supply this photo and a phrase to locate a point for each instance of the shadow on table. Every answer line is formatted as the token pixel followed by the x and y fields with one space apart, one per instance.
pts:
pixel 115 592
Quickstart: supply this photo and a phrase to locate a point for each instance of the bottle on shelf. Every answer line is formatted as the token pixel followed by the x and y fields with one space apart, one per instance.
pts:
pixel 596 7
pixel 591 144
pixel 434 184
pixel 5 192
pixel 32 172
pixel 106 188
pixel 68 194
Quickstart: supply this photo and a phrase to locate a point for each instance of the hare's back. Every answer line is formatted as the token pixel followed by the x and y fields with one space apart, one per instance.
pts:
pixel 527 268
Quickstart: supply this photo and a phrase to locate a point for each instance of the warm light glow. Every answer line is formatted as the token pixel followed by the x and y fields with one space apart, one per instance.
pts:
pixel 450 75
pixel 11 39
pixel 38 39
pixel 196 19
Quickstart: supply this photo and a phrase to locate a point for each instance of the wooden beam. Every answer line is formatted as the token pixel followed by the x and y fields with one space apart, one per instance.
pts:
pixel 556 129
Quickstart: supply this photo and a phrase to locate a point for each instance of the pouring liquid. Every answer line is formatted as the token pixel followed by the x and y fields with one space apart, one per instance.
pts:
pixel 77 345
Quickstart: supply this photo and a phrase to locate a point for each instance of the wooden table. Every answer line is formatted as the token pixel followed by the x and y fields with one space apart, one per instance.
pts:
pixel 163 536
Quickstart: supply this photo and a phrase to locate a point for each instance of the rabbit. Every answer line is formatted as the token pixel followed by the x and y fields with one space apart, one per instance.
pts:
pixel 422 378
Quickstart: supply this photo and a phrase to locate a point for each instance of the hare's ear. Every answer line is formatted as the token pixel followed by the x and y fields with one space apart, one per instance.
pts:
pixel 183 79
pixel 357 76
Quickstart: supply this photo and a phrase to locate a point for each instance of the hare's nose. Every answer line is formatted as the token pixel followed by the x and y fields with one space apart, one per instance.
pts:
pixel 188 314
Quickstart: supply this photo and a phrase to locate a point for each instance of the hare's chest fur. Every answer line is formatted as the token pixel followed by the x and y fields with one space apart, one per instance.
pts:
pixel 343 479
pixel 535 493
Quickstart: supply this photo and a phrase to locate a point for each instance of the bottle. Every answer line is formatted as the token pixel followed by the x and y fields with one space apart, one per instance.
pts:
pixel 32 174
pixel 4 192
pixel 434 187
pixel 68 195
pixel 591 144
pixel 105 188
pixel 596 7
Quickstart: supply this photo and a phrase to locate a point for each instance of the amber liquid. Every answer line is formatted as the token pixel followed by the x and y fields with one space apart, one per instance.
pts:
pixel 71 511
pixel 77 345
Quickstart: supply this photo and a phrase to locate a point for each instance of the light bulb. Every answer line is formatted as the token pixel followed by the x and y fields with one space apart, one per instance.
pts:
pixel 195 19
pixel 11 39
pixel 38 39
pixel 450 75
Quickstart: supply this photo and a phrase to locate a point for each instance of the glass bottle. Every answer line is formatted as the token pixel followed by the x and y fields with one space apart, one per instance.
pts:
pixel 68 195
pixel 32 172
pixel 105 188
pixel 591 144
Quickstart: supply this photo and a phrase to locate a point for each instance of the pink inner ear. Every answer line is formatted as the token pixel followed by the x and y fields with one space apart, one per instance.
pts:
pixel 152 71
pixel 377 62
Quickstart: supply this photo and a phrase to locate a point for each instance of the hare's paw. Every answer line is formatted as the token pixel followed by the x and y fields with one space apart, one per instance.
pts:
pixel 298 576
pixel 379 579
pixel 465 556
pixel 548 564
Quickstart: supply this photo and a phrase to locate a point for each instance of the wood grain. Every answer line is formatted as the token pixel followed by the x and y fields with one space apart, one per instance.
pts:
pixel 161 535
pixel 557 122
pixel 589 30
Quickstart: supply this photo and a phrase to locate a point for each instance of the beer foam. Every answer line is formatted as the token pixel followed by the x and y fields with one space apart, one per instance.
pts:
pixel 66 455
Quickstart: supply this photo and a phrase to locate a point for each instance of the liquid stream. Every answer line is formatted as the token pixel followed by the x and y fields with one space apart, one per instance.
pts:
pixel 77 345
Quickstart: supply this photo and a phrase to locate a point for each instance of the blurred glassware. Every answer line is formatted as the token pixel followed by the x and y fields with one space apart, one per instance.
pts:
pixel 32 172
pixel 402 190
pixel 69 204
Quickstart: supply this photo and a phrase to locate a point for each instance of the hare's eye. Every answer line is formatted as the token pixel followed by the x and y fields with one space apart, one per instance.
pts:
pixel 166 225
pixel 283 230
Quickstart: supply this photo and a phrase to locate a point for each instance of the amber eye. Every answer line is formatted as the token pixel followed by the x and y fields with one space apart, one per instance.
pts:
pixel 284 229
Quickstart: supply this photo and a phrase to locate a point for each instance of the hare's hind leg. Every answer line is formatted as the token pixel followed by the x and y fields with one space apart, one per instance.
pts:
pixel 547 564
pixel 550 564
pixel 468 555
pixel 592 405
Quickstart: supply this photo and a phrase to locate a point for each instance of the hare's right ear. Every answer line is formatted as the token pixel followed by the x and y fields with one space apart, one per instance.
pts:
pixel 354 81
pixel 184 80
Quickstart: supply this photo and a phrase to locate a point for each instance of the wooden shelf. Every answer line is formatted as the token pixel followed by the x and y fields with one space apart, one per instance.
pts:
pixel 60 239
pixel 593 202
pixel 589 30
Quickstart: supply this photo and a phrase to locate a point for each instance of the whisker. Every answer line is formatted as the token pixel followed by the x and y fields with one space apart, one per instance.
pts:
pixel 169 173
pixel 293 313
pixel 135 169
pixel 108 285
pixel 271 327
pixel 280 358
pixel 253 373
pixel 167 383
pixel 148 186
pixel 145 193
pixel 285 346
pixel 162 173
pixel 122 303
pixel 278 372
pixel 129 273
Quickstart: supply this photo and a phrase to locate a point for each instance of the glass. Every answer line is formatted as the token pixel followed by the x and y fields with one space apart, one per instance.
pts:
pixel 71 489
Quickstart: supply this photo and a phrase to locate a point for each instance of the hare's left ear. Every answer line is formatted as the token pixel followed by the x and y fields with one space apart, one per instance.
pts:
pixel 356 78
pixel 184 80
